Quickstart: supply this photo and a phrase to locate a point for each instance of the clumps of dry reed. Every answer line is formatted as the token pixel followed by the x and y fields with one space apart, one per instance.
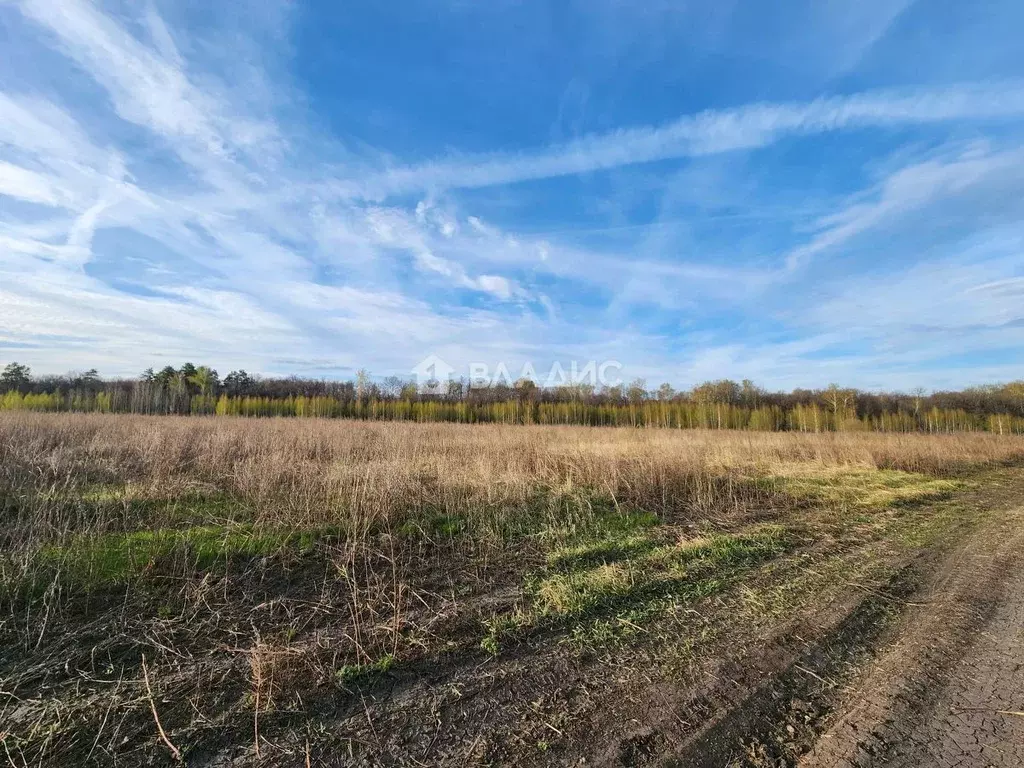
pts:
pixel 362 476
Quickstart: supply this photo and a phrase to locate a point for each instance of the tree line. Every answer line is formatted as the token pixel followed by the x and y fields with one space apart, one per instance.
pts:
pixel 722 404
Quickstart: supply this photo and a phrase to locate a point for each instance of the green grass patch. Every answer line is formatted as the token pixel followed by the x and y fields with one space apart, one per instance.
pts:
pixel 614 587
pixel 555 517
pixel 605 522
pixel 597 553
pixel 935 526
pixel 356 674
pixel 141 507
pixel 609 535
pixel 662 569
pixel 113 558
pixel 558 517
pixel 859 488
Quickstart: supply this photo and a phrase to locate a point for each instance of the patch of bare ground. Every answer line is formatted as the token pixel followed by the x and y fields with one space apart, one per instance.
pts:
pixel 950 690
pixel 921 669
pixel 748 676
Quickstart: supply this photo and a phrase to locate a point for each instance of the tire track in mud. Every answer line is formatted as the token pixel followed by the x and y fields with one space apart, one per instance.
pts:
pixel 780 719
pixel 927 670
pixel 950 690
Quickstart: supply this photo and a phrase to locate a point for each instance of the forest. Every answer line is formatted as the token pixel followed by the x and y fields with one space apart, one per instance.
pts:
pixel 722 404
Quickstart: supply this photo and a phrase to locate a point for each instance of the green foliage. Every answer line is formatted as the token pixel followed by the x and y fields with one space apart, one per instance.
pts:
pixel 632 581
pixel 15 377
pixel 238 383
pixel 13 400
pixel 490 644
pixel 109 559
pixel 722 404
pixel 166 375
pixel 355 674
pixel 854 487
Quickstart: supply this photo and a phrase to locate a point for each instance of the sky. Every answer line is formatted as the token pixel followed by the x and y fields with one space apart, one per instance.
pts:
pixel 797 193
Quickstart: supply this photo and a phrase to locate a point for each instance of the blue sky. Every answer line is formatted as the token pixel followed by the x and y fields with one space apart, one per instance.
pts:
pixel 796 192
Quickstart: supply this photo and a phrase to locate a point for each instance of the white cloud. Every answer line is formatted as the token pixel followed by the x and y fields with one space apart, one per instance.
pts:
pixel 943 297
pixel 23 184
pixel 713 131
pixel 148 87
pixel 500 287
pixel 908 189
pixel 244 258
pixel 79 243
pixel 1008 287
pixel 38 127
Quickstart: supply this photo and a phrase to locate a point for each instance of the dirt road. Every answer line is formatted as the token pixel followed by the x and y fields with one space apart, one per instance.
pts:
pixel 950 690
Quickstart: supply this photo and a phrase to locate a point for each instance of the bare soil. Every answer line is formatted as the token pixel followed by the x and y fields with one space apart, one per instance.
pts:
pixel 928 669
pixel 949 691
pixel 912 661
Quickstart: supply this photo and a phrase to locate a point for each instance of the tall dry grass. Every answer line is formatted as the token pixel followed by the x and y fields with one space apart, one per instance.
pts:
pixel 256 633
pixel 362 475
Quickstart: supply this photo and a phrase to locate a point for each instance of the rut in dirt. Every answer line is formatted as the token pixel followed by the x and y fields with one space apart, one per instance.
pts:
pixel 950 691
pixel 926 670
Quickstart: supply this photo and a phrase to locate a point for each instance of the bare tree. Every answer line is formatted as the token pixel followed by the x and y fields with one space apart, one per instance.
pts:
pixel 362 383
pixel 839 399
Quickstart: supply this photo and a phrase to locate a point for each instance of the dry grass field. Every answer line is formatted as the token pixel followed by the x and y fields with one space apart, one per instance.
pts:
pixel 291 592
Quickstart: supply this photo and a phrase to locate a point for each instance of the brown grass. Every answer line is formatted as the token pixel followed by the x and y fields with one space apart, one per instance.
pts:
pixel 362 476
pixel 255 562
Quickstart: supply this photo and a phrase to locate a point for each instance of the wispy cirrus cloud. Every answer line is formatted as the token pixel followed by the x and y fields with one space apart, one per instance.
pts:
pixel 709 132
pixel 149 85
pixel 171 214
pixel 913 188
pixel 258 244
pixel 27 185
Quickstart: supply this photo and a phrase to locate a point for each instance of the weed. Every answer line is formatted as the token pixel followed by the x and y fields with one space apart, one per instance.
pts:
pixel 110 559
pixel 359 674
pixel 490 644
pixel 603 603
pixel 434 525
pixel 610 537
